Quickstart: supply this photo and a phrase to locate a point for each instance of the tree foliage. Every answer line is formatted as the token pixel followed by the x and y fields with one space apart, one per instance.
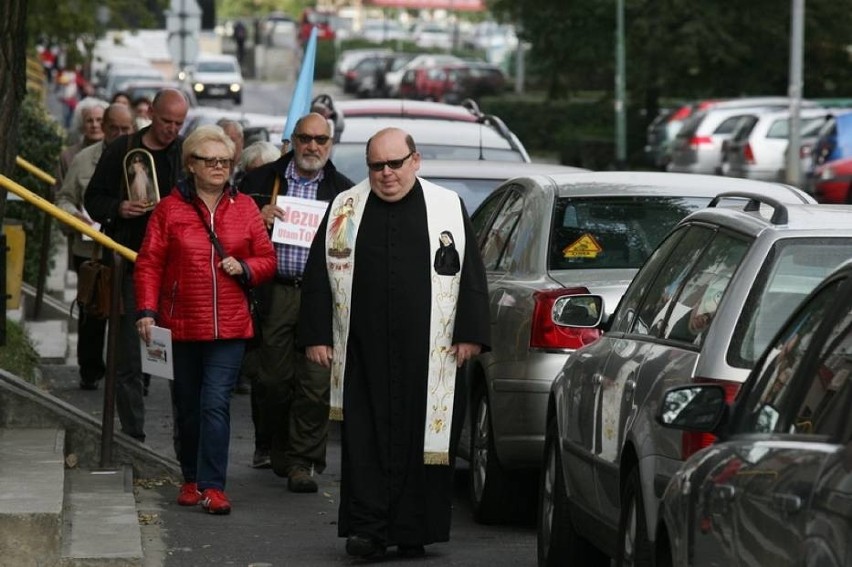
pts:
pixel 683 48
pixel 260 8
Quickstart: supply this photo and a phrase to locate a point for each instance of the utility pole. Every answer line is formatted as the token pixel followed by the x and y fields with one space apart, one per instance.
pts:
pixel 794 91
pixel 620 105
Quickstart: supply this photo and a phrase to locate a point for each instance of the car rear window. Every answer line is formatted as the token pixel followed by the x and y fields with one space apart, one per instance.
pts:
pixel 791 271
pixel 613 232
pixel 781 127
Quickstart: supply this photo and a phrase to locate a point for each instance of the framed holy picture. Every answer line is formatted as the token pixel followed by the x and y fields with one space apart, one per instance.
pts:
pixel 140 176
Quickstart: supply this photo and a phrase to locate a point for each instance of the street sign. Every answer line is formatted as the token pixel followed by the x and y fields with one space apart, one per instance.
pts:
pixel 183 23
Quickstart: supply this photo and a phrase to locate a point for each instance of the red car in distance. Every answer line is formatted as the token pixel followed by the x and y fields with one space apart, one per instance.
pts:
pixel 324 22
pixel 832 182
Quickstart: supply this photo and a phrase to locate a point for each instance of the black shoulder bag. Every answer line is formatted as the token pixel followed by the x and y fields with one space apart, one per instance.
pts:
pixel 252 302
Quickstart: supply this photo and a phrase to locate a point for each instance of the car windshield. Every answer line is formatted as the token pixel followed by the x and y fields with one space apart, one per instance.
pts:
pixel 350 159
pixel 216 67
pixel 613 232
pixel 793 269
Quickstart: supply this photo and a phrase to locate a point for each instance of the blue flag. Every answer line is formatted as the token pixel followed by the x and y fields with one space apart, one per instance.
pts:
pixel 300 104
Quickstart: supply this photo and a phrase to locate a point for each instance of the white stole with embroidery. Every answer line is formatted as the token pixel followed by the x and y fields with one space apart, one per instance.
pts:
pixel 443 214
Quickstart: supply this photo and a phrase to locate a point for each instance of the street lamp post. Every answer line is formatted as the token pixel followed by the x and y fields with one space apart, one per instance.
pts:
pixel 620 106
pixel 794 90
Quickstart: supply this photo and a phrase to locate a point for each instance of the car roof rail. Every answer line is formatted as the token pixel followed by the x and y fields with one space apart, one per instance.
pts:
pixel 471 107
pixel 502 129
pixel 779 210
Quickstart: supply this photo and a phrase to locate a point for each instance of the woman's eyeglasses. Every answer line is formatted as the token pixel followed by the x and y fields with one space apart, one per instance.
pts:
pixel 306 139
pixel 391 163
pixel 212 162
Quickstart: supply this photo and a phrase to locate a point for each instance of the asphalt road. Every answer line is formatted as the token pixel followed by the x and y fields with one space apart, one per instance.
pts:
pixel 270 526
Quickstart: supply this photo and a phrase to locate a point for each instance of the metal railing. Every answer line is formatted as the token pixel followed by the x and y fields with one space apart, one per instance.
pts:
pixel 120 255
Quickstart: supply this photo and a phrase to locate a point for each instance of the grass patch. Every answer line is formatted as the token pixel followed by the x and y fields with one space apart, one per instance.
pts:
pixel 18 356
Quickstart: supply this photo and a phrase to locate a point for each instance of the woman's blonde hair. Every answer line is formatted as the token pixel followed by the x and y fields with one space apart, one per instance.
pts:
pixel 202 135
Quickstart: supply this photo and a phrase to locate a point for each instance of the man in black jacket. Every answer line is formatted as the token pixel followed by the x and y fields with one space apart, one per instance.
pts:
pixel 108 202
pixel 290 401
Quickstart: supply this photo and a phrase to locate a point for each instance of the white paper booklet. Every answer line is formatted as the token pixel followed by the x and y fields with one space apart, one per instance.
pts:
pixel 157 356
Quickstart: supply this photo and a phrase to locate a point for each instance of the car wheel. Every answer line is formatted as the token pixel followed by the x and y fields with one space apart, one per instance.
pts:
pixel 488 483
pixel 634 549
pixel 557 541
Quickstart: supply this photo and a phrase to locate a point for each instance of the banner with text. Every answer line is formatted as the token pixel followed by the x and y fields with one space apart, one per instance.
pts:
pixel 301 220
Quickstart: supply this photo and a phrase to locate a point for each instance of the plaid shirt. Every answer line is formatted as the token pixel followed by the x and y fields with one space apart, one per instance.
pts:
pixel 292 259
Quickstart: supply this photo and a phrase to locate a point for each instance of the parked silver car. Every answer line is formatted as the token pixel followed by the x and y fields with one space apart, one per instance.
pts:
pixel 777 490
pixel 758 151
pixel 542 239
pixel 697 147
pixel 702 308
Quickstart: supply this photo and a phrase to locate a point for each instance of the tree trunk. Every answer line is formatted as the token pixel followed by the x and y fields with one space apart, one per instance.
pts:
pixel 13 83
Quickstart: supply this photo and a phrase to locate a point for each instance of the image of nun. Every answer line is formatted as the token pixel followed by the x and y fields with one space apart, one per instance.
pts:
pixel 447 257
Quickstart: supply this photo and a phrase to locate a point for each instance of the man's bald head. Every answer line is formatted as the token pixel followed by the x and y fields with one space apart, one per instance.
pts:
pixel 117 122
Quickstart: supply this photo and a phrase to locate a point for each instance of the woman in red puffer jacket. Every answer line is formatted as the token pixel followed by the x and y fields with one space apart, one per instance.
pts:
pixel 183 284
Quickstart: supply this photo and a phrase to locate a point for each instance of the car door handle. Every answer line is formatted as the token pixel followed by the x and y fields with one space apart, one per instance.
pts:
pixel 629 386
pixel 597 380
pixel 787 503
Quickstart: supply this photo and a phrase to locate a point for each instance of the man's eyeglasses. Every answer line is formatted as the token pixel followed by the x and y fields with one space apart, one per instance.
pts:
pixel 391 163
pixel 212 162
pixel 306 139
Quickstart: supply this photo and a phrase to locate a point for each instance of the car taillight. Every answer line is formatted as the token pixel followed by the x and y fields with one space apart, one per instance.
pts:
pixel 544 333
pixel 697 141
pixel 351 74
pixel 692 442
pixel 748 154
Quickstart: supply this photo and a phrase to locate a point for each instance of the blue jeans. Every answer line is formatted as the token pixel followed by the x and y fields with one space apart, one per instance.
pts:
pixel 205 374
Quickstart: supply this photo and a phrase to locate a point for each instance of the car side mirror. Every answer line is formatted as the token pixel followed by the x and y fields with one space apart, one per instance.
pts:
pixel 696 408
pixel 578 311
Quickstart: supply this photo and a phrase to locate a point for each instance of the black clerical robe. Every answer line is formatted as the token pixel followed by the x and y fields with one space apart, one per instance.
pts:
pixel 387 492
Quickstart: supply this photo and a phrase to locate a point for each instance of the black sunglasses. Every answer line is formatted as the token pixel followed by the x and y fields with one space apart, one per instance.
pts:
pixel 306 139
pixel 391 163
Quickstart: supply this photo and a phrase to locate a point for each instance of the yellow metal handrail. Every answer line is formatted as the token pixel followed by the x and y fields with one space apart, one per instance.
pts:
pixel 40 173
pixel 58 213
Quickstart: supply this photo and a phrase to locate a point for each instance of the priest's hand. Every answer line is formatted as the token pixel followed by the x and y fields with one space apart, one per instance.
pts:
pixel 465 351
pixel 320 354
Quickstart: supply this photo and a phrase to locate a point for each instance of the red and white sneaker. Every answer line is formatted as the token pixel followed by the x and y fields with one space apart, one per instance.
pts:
pixel 215 502
pixel 189 495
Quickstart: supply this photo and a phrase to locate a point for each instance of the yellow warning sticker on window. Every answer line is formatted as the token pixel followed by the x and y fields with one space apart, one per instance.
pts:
pixel 584 247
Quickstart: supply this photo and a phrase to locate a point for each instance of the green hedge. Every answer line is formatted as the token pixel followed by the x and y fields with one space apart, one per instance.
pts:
pixel 580 131
pixel 18 356
pixel 40 144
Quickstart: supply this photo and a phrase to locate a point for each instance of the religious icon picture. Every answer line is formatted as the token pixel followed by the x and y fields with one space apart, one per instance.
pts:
pixel 447 257
pixel 342 230
pixel 140 176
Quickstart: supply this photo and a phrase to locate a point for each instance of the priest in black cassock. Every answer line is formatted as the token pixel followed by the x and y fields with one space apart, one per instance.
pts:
pixel 394 311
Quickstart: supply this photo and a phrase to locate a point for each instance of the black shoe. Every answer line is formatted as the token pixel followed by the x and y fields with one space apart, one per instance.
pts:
pixel 86 385
pixel 261 459
pixel 364 547
pixel 410 551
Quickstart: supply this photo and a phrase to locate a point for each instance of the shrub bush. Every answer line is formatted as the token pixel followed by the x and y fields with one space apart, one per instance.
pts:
pixel 40 144
pixel 18 356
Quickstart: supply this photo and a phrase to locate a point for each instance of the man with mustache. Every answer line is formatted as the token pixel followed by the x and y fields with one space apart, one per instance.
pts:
pixel 290 400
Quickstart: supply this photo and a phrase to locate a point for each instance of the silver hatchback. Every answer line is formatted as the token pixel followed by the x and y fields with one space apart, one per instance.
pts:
pixel 544 238
pixel 702 309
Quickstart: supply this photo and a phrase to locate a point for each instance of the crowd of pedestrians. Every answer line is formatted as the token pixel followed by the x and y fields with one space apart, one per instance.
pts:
pixel 377 347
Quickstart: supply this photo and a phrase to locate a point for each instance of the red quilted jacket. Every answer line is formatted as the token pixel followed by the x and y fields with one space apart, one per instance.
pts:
pixel 177 274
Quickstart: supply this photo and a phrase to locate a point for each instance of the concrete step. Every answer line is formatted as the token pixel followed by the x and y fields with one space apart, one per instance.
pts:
pixel 101 526
pixel 31 496
pixel 50 516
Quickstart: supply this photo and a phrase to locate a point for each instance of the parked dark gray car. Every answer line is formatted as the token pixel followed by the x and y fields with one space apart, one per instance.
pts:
pixel 777 491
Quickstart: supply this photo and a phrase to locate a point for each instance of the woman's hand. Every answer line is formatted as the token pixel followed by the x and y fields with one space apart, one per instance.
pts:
pixel 143 327
pixel 231 266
